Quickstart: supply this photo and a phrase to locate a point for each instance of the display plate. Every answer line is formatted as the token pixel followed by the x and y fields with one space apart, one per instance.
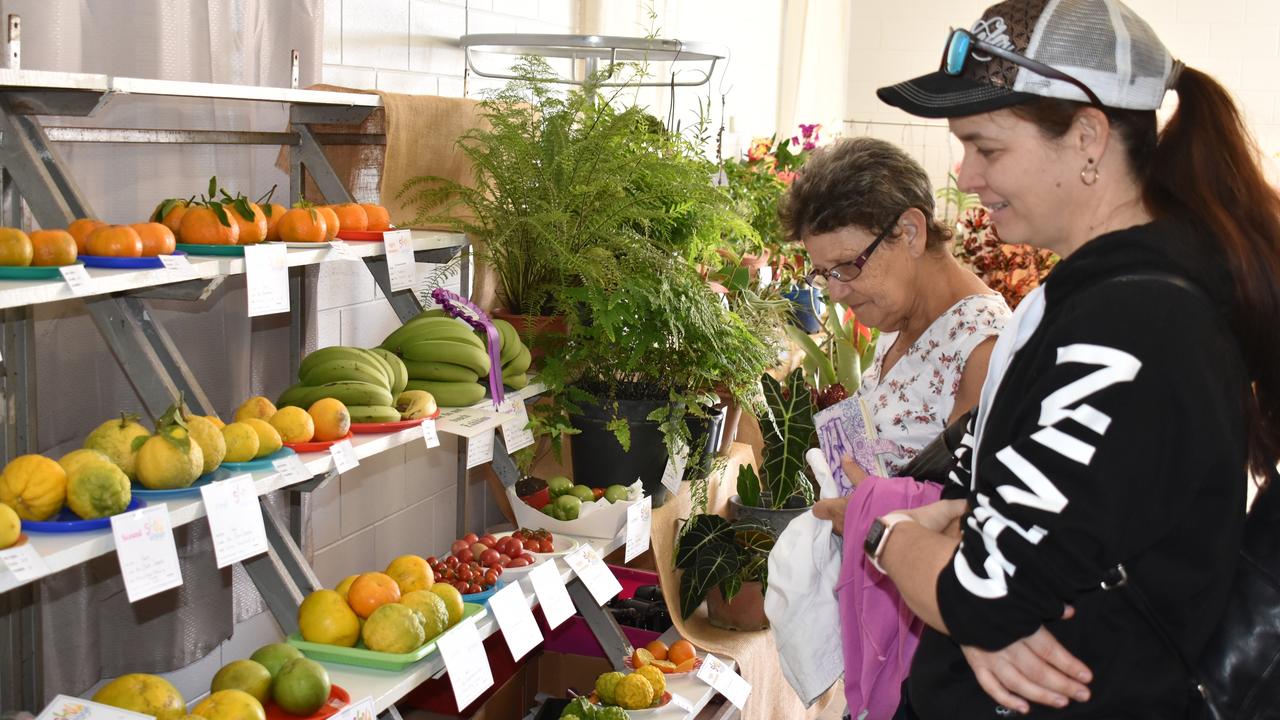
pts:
pixel 563 545
pixel 43 272
pixel 647 712
pixel 125 263
pixel 323 244
pixel 338 699
pixel 361 235
pixel 481 597
pixel 317 446
pixel 696 664
pixel 141 491
pixel 387 427
pixel 262 463
pixel 364 657
pixel 67 521
pixel 223 250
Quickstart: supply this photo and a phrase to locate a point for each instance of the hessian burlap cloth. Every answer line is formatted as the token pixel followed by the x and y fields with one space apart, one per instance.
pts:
pixel 756 652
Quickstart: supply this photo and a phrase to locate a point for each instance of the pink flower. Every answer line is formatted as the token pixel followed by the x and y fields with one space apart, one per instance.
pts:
pixel 787 176
pixel 810 132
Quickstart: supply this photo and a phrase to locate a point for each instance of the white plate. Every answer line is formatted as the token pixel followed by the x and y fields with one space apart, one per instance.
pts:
pixel 647 712
pixel 697 664
pixel 516 573
pixel 563 545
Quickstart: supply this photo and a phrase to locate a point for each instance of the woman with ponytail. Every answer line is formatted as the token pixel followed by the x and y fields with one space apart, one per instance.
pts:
pixel 1131 395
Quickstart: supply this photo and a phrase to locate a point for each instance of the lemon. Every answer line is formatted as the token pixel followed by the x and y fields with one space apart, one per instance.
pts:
pixel 325 617
pixel 217 421
pixel 268 439
pixel 97 490
pixel 294 425
pixel 76 458
pixel 209 438
pixel 242 442
pixel 10 526
pixel 345 585
pixel 633 692
pixel 452 600
pixel 394 628
pixel 255 407
pixel 118 440
pixel 170 459
pixel 435 616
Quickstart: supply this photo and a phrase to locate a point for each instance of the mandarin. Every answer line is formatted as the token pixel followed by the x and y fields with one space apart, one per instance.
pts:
pixel 273 211
pixel 15 248
pixel 157 238
pixel 303 225
pixel 114 241
pixel 331 222
pixel 80 230
pixel 657 649
pixel 371 591
pixel 53 247
pixel 379 218
pixel 252 230
pixel 201 226
pixel 351 216
pixel 681 651
pixel 169 213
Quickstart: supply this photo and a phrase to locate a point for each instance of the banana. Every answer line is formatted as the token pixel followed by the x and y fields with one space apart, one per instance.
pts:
pixel 433 312
pixel 383 366
pixel 353 392
pixel 432 328
pixel 293 395
pixel 451 352
pixel 517 381
pixel 511 342
pixel 323 355
pixel 373 413
pixel 415 404
pixel 520 363
pixel 439 371
pixel 451 394
pixel 398 370
pixel 363 370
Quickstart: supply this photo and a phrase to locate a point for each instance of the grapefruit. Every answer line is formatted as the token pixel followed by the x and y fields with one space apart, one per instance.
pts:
pixel 15 248
pixel 230 705
pixel 324 617
pixel 411 573
pixel 146 694
pixel 394 628
pixel 246 675
pixel 301 687
pixel 274 656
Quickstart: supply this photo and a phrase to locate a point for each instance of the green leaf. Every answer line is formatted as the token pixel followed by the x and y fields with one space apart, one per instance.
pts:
pixel 730 586
pixel 138 442
pixel 748 486
pixel 826 372
pixel 242 207
pixel 221 212
pixel 700 532
pixel 163 209
pixel 714 564
pixel 213 187
pixel 622 431
pixel 788 433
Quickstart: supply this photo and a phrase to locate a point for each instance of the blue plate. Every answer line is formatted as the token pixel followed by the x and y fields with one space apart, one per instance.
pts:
pixel 263 463
pixel 140 491
pixel 124 263
pixel 480 597
pixel 68 522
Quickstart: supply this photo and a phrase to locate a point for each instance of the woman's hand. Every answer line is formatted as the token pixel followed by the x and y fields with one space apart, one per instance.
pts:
pixel 832 510
pixel 1036 668
pixel 853 471
pixel 940 516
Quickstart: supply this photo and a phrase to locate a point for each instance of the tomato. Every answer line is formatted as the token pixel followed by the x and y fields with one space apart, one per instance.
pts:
pixel 432 561
pixel 548 546
pixel 515 547
pixel 488 540
pixel 489 557
pixel 491 577
pixel 464 555
pixel 518 562
pixel 597 493
pixel 504 560
pixel 473 588
pixel 530 557
pixel 470 538
pixel 451 561
pixel 458 545
pixel 461 586
pixel 478 549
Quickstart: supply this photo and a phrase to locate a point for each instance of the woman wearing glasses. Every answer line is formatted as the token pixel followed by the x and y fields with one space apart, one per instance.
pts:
pixel 1130 395
pixel 865 212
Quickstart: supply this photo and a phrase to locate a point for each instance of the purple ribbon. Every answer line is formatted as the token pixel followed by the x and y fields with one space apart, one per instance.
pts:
pixel 459 307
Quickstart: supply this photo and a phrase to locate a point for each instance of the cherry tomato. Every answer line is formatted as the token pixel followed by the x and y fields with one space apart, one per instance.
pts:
pixel 431 560
pixel 458 545
pixel 464 555
pixel 490 557
pixel 461 586
pixel 488 540
pixel 470 538
pixel 451 561
pixel 515 547
pixel 597 493
pixel 497 569
pixel 518 562
pixel 548 546
pixel 473 588
pixel 491 577
pixel 504 560
pixel 530 557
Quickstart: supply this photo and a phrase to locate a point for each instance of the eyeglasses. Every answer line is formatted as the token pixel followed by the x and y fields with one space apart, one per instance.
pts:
pixel 819 278
pixel 962 44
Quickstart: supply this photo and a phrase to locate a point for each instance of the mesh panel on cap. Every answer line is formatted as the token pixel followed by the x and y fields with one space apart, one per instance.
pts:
pixel 1019 21
pixel 1150 57
pixel 1078 34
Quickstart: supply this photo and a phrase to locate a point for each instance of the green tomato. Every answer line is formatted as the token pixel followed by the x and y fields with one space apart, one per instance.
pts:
pixel 582 492
pixel 614 493
pixel 559 485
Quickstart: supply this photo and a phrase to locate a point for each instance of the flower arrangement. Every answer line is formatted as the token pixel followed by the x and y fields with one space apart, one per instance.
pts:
pixel 1011 270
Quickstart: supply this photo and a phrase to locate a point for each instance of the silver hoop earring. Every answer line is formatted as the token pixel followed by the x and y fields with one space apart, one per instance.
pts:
pixel 1089 175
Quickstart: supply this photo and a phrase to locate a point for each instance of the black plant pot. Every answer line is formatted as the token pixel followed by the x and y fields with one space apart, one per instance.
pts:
pixel 600 461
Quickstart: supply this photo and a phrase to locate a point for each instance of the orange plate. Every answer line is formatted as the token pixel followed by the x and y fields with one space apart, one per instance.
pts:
pixel 386 427
pixel 338 699
pixel 365 235
pixel 316 446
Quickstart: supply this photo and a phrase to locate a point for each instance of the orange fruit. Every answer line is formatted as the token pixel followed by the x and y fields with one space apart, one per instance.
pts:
pixel 80 230
pixel 331 222
pixel 303 225
pixel 371 591
pixel 411 572
pixel 331 418
pixel 657 649
pixel 379 218
pixel 686 666
pixel 252 231
pixel 169 213
pixel 273 212
pixel 664 665
pixel 351 216
pixel 15 248
pixel 201 226
pixel 53 247
pixel 681 651
pixel 157 238
pixel 640 658
pixel 114 241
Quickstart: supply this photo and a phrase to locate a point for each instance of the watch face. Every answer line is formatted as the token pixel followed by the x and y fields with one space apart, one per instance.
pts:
pixel 873 537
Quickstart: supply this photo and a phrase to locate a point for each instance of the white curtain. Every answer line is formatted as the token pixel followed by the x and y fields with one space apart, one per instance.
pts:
pixel 812 64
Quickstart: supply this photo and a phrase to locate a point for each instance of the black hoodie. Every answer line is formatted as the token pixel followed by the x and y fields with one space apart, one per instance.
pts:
pixel 1117 435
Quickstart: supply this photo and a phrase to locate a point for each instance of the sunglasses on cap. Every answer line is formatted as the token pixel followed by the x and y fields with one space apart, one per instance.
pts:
pixel 962 44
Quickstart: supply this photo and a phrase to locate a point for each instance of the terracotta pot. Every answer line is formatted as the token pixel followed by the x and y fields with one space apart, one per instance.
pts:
pixel 745 612
pixel 531 326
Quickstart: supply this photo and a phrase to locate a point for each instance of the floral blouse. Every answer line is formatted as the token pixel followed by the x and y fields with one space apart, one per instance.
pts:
pixel 910 406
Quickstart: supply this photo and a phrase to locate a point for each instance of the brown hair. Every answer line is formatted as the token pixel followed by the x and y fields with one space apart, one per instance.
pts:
pixel 1203 167
pixel 859 182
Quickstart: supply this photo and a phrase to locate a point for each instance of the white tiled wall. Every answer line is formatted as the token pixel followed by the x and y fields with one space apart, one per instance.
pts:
pixel 1237 41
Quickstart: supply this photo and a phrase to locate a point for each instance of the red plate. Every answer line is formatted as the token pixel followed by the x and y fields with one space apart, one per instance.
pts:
pixel 338 699
pixel 386 427
pixel 365 235
pixel 315 446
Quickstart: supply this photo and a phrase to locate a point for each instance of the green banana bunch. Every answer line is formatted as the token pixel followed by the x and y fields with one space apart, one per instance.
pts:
pixel 373 413
pixel 450 394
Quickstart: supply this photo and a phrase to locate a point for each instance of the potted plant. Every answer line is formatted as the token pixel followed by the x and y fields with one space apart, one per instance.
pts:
pixel 725 564
pixel 835 365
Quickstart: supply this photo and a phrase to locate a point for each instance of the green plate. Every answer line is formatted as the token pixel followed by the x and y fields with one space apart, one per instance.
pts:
pixel 364 657
pixel 193 249
pixel 43 272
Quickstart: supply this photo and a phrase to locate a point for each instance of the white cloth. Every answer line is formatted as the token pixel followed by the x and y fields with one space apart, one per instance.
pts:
pixel 801 604
pixel 910 405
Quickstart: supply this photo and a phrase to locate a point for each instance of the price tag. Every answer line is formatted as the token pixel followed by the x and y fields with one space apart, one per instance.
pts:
pixel 339 250
pixel 466 662
pixel 429 434
pixel 362 710
pixel 266 278
pixel 292 469
pixel 727 682
pixel 639 527
pixel 514 430
pixel 177 263
pixel 480 449
pixel 592 571
pixel 556 604
pixel 402 269
pixel 65 707
pixel 674 472
pixel 515 619
pixel 77 278
pixel 235 519
pixel 147 554
pixel 344 456
pixel 24 562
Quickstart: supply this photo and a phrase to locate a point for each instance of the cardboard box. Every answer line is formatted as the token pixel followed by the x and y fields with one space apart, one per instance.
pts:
pixel 605 521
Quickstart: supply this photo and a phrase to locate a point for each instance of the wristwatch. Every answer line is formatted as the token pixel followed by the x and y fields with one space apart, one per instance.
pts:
pixel 878 536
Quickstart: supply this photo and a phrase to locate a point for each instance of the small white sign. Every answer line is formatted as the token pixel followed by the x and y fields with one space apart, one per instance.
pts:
pixel 593 573
pixel 639 527
pixel 361 710
pixel 727 682
pixel 402 269
pixel 77 278
pixel 466 662
pixel 292 468
pixel 147 554
pixel 344 456
pixel 480 449
pixel 266 272
pixel 339 250
pixel 556 604
pixel 514 431
pixel 429 434
pixel 681 702
pixel 515 619
pixel 235 519
pixel 674 472
pixel 178 264
pixel 24 562
pixel 65 707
